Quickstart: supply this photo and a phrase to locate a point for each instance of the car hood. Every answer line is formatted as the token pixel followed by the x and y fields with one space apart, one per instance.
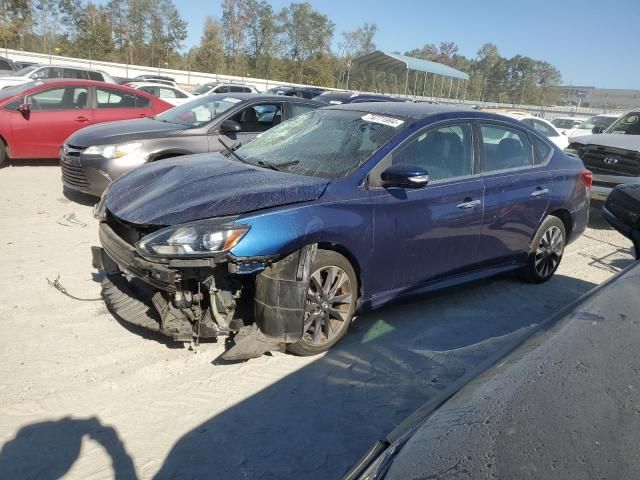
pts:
pixel 122 131
pixel 626 142
pixel 197 187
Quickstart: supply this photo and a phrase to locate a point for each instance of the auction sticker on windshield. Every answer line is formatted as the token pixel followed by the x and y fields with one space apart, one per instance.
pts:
pixel 382 120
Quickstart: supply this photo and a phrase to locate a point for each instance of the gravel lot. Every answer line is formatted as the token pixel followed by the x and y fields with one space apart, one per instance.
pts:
pixel 82 396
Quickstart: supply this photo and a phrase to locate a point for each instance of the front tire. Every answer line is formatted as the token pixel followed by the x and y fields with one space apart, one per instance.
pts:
pixel 546 251
pixel 331 303
pixel 3 153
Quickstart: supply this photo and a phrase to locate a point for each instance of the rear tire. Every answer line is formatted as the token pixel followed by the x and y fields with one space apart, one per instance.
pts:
pixel 546 251
pixel 331 303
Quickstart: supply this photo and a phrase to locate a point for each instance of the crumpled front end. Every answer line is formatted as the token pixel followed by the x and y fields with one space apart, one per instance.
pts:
pixel 256 300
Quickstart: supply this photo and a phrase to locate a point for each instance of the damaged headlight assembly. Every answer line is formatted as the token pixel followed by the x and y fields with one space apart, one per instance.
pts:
pixel 197 239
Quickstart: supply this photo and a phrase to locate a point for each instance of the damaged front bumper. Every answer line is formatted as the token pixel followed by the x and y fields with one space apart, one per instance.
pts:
pixel 258 301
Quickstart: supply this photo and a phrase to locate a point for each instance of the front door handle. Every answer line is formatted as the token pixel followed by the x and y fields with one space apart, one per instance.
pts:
pixel 469 204
pixel 82 119
pixel 539 192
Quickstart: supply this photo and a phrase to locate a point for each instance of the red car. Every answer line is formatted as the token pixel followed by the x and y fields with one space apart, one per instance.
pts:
pixel 37 117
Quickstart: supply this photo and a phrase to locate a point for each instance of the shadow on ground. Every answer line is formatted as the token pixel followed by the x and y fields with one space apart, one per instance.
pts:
pixel 317 422
pixel 48 450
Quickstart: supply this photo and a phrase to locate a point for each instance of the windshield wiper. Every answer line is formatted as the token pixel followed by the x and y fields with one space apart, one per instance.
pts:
pixel 278 167
pixel 232 152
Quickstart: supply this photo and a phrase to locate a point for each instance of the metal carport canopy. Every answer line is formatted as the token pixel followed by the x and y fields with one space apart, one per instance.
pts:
pixel 393 61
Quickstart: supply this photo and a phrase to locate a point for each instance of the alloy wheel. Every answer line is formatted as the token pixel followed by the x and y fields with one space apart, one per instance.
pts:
pixel 549 251
pixel 329 299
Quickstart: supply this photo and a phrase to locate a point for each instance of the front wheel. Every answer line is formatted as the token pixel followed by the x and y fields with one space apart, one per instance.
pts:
pixel 330 305
pixel 3 153
pixel 546 252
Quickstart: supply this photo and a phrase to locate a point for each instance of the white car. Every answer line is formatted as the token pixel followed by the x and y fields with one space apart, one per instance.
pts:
pixel 172 95
pixel 543 127
pixel 566 124
pixel 45 72
pixel 603 121
pixel 218 87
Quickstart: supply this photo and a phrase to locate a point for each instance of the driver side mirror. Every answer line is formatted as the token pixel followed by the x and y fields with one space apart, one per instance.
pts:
pixel 404 176
pixel 24 109
pixel 597 129
pixel 230 127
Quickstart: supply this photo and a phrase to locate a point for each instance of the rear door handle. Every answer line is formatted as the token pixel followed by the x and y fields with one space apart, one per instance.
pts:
pixel 82 119
pixel 539 192
pixel 469 204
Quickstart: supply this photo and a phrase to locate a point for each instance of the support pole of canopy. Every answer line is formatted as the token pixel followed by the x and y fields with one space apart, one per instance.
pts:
pixel 406 82
pixel 458 88
pixel 415 84
pixel 424 87
pixel 464 96
pixel 442 87
pixel 450 87
pixel 433 87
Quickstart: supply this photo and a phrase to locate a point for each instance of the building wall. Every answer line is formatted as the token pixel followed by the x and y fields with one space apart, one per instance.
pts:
pixel 606 98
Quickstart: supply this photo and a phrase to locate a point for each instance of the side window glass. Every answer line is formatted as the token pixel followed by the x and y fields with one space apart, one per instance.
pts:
pixel 505 148
pixel 112 98
pixel 259 118
pixel 47 99
pixel 97 76
pixel 299 109
pixel 167 93
pixel 47 72
pixel 222 90
pixel 4 65
pixel 543 150
pixel 444 152
pixel 142 102
pixel 73 73
pixel 542 128
pixel 149 90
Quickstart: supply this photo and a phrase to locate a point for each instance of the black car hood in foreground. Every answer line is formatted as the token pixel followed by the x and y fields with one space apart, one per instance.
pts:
pixel 121 131
pixel 614 140
pixel 202 186
pixel 564 405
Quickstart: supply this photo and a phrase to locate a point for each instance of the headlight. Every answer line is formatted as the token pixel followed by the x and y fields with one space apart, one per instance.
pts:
pixel 196 239
pixel 113 151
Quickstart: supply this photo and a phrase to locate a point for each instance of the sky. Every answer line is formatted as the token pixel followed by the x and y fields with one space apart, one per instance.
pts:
pixel 592 43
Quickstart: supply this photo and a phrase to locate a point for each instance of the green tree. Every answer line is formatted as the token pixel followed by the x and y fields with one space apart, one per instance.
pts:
pixel 208 56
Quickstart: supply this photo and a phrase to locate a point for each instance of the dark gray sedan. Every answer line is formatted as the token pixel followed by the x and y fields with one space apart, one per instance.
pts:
pixel 95 156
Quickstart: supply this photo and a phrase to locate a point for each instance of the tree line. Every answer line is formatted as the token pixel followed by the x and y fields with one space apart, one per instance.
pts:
pixel 294 44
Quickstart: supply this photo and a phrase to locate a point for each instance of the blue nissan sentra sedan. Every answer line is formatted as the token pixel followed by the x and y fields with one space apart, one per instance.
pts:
pixel 280 242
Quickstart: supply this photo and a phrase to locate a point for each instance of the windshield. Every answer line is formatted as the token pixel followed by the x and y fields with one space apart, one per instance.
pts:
pixel 24 71
pixel 597 121
pixel 16 89
pixel 564 122
pixel 628 124
pixel 200 89
pixel 198 112
pixel 300 145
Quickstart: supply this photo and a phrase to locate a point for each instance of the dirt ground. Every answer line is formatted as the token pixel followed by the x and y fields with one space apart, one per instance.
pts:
pixel 84 397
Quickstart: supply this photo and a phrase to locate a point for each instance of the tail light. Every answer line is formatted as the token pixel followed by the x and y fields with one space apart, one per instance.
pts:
pixel 587 178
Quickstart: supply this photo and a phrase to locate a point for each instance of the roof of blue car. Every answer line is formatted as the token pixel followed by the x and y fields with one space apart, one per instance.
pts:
pixel 415 111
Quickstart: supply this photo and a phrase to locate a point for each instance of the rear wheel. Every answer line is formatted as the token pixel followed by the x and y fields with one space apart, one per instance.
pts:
pixel 331 301
pixel 546 252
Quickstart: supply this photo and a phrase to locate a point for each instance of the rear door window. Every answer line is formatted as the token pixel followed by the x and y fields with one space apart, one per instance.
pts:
pixel 300 108
pixel 542 149
pixel 543 128
pixel 112 98
pixel 504 148
pixel 149 90
pixel 167 92
pixel 259 118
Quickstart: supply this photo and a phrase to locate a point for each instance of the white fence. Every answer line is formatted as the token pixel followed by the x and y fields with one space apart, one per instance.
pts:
pixel 189 78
